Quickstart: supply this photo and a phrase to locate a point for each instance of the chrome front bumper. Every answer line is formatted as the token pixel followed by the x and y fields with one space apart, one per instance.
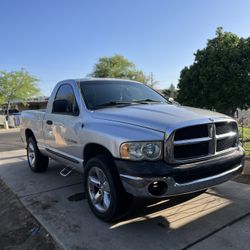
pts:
pixel 139 186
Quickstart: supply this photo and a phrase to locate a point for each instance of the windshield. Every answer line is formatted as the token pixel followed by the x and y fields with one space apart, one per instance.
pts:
pixel 100 94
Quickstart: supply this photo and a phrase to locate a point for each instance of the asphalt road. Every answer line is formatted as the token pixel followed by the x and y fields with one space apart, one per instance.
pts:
pixel 10 141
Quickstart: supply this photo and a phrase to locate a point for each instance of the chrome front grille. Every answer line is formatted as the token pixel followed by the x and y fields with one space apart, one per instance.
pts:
pixel 191 150
pixel 199 141
pixel 225 127
pixel 225 143
pixel 192 132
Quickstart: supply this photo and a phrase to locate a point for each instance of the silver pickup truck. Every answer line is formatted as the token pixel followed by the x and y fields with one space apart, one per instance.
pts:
pixel 129 141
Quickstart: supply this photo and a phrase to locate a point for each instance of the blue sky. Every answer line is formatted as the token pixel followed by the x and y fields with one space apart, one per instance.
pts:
pixel 59 39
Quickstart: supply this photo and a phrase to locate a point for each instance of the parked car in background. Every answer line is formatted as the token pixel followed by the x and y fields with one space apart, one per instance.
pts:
pixel 129 141
pixel 11 112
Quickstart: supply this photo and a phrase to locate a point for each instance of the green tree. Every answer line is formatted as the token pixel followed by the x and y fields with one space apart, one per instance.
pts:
pixel 17 85
pixel 118 66
pixel 170 92
pixel 219 77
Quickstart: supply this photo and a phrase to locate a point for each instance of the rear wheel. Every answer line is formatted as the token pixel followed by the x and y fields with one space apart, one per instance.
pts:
pixel 37 162
pixel 106 196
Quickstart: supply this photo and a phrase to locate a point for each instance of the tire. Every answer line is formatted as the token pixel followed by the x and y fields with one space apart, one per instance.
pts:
pixel 106 196
pixel 37 162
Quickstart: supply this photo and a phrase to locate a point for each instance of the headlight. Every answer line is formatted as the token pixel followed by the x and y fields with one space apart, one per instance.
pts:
pixel 141 151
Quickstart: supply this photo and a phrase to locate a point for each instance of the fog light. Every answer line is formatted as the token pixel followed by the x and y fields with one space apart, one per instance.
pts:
pixel 158 188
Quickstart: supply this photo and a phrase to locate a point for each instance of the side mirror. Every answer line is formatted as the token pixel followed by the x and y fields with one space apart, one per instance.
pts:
pixel 61 106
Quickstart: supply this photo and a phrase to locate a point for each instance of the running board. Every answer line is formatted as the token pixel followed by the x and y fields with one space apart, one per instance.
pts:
pixel 66 171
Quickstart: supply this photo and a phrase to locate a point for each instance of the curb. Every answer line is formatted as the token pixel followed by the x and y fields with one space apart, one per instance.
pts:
pixel 10 130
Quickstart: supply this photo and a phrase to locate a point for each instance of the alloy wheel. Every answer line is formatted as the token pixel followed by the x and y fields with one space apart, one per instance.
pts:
pixel 99 189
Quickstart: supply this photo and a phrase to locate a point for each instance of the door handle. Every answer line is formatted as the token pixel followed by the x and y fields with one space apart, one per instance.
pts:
pixel 49 122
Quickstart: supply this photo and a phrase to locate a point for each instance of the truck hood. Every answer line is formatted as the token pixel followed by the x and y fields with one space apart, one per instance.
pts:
pixel 160 117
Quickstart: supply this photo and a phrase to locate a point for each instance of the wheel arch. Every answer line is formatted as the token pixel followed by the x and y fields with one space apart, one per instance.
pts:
pixel 29 133
pixel 93 149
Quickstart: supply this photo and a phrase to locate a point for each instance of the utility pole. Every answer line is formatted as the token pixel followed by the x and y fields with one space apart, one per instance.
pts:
pixel 151 79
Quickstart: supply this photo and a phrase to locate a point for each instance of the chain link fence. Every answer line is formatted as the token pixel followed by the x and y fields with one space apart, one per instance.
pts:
pixel 244 129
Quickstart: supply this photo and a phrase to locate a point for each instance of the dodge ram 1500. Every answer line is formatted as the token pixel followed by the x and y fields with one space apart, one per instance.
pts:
pixel 128 141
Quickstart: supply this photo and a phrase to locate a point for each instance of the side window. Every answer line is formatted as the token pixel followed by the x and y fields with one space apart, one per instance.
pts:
pixel 65 101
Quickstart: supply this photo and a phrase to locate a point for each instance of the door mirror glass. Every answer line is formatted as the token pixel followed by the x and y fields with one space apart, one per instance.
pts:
pixel 61 106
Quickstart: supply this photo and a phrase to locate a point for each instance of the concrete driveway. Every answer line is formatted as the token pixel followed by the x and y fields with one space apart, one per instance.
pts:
pixel 10 140
pixel 217 219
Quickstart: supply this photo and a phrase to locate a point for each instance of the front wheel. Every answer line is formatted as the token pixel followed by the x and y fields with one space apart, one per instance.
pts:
pixel 37 161
pixel 106 196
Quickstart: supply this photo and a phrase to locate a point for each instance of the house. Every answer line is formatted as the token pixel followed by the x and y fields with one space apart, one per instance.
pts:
pixel 34 103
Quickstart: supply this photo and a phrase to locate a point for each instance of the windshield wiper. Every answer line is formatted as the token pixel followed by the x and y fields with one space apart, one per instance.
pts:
pixel 147 100
pixel 112 103
pixel 115 103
